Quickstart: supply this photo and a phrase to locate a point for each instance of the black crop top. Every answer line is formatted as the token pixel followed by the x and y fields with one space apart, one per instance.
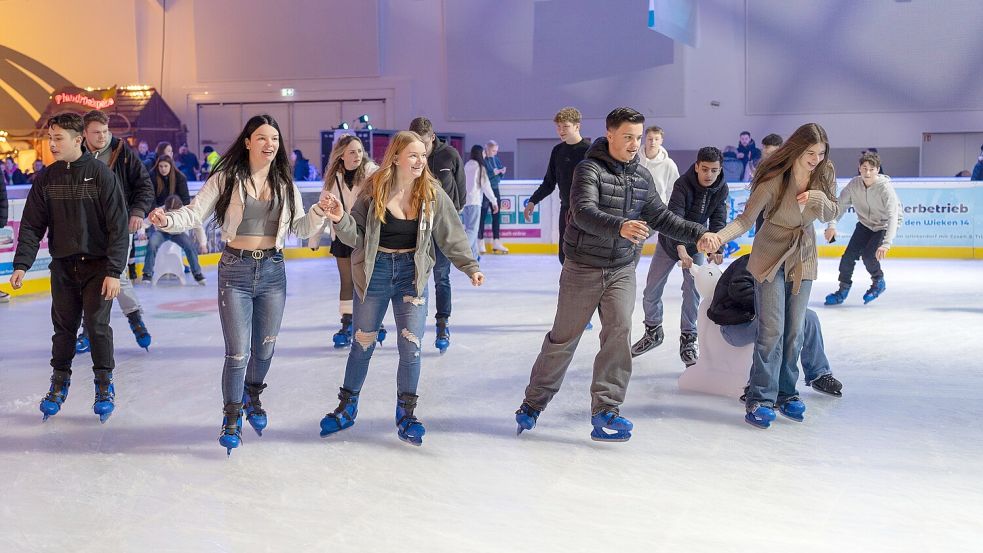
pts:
pixel 398 234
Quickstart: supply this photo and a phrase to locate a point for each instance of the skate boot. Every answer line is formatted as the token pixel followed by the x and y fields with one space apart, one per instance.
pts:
pixel 827 385
pixel 443 340
pixel 343 338
pixel 105 401
pixel 255 415
pixel 650 340
pixel 131 269
pixel 381 336
pixel 231 435
pixel 526 418
pixel 408 427
pixel 877 288
pixel 689 350
pixel 139 330
pixel 498 247
pixel 610 420
pixel 51 404
pixel 839 296
pixel 344 416
pixel 759 415
pixel 82 344
pixel 793 408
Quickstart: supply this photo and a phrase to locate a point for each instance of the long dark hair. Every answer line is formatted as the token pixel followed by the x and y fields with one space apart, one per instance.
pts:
pixel 159 179
pixel 780 162
pixel 476 155
pixel 233 167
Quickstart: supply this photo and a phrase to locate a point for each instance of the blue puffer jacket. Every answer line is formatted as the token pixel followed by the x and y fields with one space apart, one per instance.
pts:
pixel 605 194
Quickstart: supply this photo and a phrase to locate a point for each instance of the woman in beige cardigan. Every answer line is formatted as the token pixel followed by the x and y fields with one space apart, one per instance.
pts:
pixel 792 188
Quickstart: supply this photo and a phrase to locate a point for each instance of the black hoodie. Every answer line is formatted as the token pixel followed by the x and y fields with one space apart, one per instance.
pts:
pixel 606 193
pixel 733 297
pixel 81 207
pixel 693 202
pixel 138 191
pixel 446 165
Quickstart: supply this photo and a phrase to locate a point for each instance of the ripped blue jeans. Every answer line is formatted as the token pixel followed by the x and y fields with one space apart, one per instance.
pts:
pixel 393 281
pixel 251 297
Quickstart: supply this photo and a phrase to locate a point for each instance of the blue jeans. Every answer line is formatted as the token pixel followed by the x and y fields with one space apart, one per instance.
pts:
pixel 442 283
pixel 181 239
pixel 813 356
pixel 660 268
pixel 469 218
pixel 775 363
pixel 251 296
pixel 393 281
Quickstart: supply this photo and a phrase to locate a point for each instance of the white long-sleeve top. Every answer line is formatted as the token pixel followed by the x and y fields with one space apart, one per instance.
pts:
pixel 477 184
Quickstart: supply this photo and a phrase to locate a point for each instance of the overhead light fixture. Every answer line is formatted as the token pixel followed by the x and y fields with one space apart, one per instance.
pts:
pixel 343 125
pixel 364 118
pixel 369 127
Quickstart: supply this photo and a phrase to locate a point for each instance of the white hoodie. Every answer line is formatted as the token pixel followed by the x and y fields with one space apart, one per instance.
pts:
pixel 877 206
pixel 478 184
pixel 664 172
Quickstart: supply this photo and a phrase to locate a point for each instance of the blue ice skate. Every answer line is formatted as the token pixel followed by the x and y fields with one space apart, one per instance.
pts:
pixel 610 420
pixel 793 409
pixel 839 296
pixel 526 418
pixel 57 394
pixel 759 416
pixel 255 415
pixel 443 340
pixel 344 416
pixel 343 338
pixel 231 436
pixel 139 329
pixel 82 344
pixel 408 427
pixel 876 289
pixel 105 400
pixel 381 336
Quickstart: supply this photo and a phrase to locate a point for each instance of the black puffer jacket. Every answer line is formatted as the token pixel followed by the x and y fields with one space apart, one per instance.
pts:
pixel 693 202
pixel 733 297
pixel 605 194
pixel 133 177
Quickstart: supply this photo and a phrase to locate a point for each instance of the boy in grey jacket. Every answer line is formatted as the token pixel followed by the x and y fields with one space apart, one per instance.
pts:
pixel 879 215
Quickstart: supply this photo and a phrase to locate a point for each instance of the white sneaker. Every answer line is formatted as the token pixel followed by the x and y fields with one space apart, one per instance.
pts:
pixel 4 297
pixel 498 247
pixel 481 247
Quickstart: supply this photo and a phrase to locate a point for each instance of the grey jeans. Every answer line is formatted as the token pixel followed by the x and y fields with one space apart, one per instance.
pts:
pixel 127 298
pixel 584 289
pixel 659 270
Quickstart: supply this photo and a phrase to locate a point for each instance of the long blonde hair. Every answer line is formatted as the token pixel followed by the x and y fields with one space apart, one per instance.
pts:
pixel 384 180
pixel 780 162
pixel 336 163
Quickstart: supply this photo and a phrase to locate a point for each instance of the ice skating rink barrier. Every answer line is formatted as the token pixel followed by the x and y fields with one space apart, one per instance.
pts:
pixel 943 218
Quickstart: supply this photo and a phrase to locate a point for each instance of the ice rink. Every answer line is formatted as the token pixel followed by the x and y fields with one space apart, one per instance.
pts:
pixel 894 465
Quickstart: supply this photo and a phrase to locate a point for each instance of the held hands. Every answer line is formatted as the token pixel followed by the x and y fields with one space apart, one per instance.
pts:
pixel 881 252
pixel 685 261
pixel 709 243
pixel 634 230
pixel 527 212
pixel 110 288
pixel 157 218
pixel 477 279
pixel 17 279
pixel 135 223
pixel 830 235
pixel 716 258
pixel 331 207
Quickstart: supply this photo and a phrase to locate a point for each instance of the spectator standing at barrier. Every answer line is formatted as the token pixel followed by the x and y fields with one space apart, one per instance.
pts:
pixel 496 170
pixel 747 151
pixel 978 168
pixel 187 163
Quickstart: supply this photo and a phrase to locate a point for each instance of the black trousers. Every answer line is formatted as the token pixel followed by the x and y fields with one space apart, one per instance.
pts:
pixel 496 218
pixel 76 293
pixel 863 244
pixel 563 229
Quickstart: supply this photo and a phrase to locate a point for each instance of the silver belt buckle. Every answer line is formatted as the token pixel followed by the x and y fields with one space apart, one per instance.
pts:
pixel 258 254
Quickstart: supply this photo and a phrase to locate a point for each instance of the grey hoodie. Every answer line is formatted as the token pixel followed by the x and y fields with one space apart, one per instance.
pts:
pixel 877 206
pixel 360 229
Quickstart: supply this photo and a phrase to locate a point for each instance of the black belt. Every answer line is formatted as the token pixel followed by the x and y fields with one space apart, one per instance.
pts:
pixel 255 254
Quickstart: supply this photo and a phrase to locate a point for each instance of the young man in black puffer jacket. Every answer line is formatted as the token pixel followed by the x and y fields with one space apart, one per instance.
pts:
pixel 78 201
pixel 733 309
pixel 614 206
pixel 700 195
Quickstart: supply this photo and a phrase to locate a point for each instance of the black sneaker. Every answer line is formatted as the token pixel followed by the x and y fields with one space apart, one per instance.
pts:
pixel 744 394
pixel 827 385
pixel 689 350
pixel 650 340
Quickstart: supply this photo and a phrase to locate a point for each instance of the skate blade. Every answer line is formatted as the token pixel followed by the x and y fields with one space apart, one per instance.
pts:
pixel 104 418
pixel 765 425
pixel 616 438
pixel 793 419
pixel 44 417
pixel 418 442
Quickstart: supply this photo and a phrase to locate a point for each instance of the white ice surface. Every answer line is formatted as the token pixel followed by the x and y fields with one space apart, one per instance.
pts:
pixel 895 465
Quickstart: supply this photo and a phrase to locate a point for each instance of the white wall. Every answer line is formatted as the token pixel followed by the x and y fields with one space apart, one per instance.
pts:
pixel 414 71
